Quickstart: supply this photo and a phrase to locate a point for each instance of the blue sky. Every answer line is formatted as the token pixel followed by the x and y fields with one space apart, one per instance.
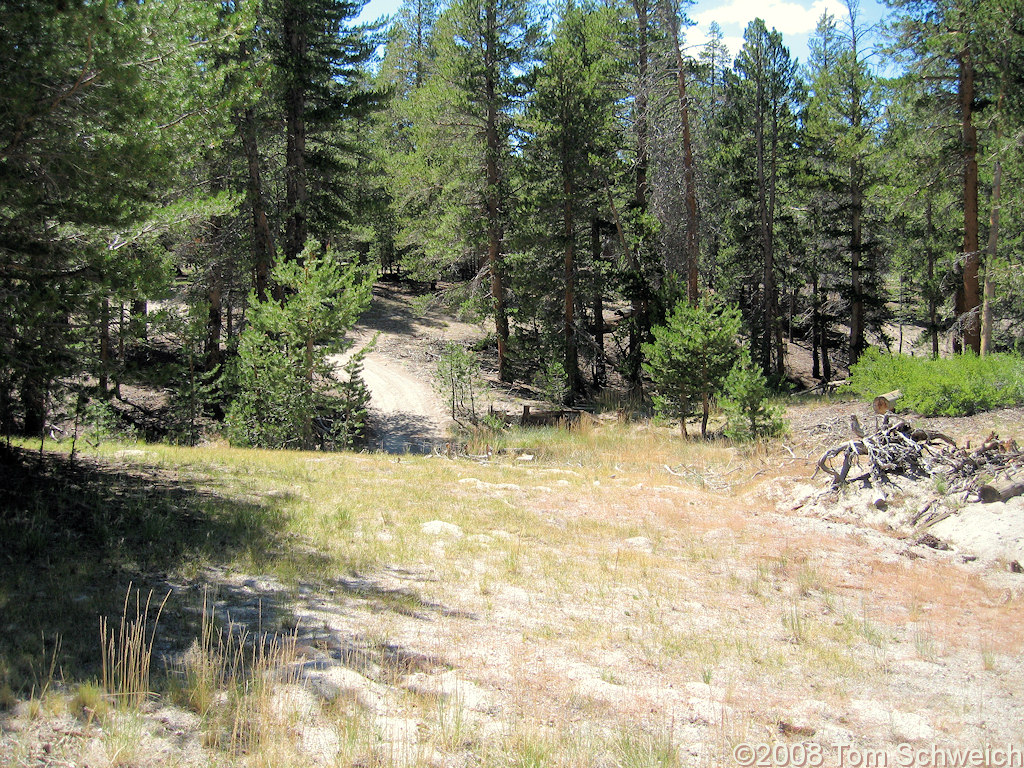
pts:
pixel 795 19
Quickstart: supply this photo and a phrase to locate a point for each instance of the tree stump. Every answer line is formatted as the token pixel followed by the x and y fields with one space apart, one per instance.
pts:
pixel 887 402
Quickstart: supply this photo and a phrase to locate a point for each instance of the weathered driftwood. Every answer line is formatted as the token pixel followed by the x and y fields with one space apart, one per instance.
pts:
pixel 894 448
pixel 887 402
pixel 899 449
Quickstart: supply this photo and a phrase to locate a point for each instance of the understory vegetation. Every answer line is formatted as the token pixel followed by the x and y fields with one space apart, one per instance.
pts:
pixel 955 386
pixel 179 178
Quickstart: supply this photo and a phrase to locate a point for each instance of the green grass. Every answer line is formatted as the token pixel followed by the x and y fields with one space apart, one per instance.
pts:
pixel 952 386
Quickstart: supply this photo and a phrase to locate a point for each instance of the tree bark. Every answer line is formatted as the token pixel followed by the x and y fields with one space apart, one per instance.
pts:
pixel 857 313
pixel 765 205
pixel 689 170
pixel 857 343
pixel 262 236
pixel 104 333
pixel 595 257
pixel 33 404
pixel 815 327
pixel 215 319
pixel 495 234
pixel 972 255
pixel 990 259
pixel 993 227
pixel 296 191
pixel 639 321
pixel 572 371
pixel 138 325
pixel 933 304
pixel 887 402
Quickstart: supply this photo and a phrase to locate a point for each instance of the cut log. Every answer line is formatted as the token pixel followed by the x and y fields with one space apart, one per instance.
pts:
pixel 887 402
pixel 1000 491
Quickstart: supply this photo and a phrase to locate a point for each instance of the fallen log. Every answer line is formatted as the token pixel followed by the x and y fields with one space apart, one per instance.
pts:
pixel 887 402
pixel 1000 491
pixel 532 418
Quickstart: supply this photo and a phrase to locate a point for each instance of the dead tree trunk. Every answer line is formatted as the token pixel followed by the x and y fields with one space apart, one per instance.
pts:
pixel 972 256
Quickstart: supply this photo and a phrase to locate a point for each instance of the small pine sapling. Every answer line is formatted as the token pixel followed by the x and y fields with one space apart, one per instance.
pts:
pixel 285 380
pixel 690 357
pixel 749 414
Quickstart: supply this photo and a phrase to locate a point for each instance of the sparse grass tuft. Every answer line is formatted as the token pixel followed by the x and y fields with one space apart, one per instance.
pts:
pixel 619 553
pixel 89 702
pixel 127 656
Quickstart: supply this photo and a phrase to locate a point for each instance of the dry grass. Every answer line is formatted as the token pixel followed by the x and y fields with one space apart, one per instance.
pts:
pixel 624 598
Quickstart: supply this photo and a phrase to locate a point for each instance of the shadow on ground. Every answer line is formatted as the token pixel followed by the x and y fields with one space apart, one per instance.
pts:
pixel 388 313
pixel 76 535
pixel 77 538
pixel 402 433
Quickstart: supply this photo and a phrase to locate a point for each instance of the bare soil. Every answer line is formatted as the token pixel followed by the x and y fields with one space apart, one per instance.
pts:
pixel 753 606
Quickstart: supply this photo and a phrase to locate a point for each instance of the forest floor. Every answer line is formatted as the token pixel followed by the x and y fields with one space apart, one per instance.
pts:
pixel 611 595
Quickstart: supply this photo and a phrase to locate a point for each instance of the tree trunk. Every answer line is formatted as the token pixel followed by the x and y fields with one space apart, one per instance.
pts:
pixel 138 324
pixel 572 372
pixel 773 328
pixel 104 333
pixel 990 262
pixel 494 228
pixel 689 172
pixel 815 327
pixel 933 304
pixel 595 257
pixel 857 314
pixel 33 404
pixel 857 343
pixel 639 321
pixel 887 402
pixel 215 318
pixel 262 236
pixel 972 255
pixel 296 191
pixel 993 227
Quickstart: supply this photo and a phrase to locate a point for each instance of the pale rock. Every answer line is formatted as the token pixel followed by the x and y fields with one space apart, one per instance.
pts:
pixel 641 543
pixel 441 528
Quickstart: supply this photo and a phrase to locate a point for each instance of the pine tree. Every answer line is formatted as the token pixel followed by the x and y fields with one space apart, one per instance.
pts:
pixel 690 357
pixel 572 117
pixel 100 111
pixel 484 47
pixel 760 140
pixel 945 43
pixel 842 118
pixel 283 375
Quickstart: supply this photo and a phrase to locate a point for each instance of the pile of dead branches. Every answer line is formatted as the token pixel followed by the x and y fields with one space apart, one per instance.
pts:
pixel 993 471
pixel 894 448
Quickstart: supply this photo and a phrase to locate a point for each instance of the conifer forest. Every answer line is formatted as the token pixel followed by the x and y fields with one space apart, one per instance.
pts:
pixel 205 192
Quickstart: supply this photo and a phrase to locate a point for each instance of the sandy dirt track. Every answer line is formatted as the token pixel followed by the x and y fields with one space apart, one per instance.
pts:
pixel 406 412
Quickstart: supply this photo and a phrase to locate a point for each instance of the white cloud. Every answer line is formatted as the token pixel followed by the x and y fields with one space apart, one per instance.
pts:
pixel 787 16
pixel 697 37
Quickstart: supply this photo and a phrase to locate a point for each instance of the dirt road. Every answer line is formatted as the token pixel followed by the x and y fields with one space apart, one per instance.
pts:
pixel 406 413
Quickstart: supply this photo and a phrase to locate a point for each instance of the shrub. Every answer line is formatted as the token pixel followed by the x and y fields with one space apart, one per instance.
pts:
pixel 691 356
pixel 285 379
pixel 749 414
pixel 458 380
pixel 953 386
